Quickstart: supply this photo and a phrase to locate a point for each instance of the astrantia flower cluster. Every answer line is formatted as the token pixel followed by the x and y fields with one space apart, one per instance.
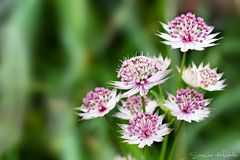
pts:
pixel 188 32
pixel 133 105
pixel 144 129
pixel 188 105
pixel 98 103
pixel 138 111
pixel 203 77
pixel 139 74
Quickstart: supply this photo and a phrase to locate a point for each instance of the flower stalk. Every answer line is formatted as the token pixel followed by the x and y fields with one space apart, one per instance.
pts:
pixel 143 105
pixel 164 149
pixel 181 70
pixel 178 133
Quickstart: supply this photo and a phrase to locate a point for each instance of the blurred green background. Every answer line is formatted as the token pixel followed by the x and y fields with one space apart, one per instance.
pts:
pixel 54 51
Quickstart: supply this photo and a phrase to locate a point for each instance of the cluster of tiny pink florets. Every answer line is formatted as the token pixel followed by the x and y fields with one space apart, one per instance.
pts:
pixel 97 98
pixel 189 100
pixel 139 69
pixel 208 76
pixel 189 28
pixel 134 103
pixel 144 125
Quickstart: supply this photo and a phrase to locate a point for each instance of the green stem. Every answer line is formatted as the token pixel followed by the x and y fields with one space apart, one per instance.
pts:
pixel 165 142
pixel 181 70
pixel 164 148
pixel 161 100
pixel 175 141
pixel 171 122
pixel 146 153
pixel 161 94
pixel 143 104
pixel 199 90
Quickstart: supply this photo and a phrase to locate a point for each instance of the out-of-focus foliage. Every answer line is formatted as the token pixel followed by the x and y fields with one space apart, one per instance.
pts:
pixel 54 51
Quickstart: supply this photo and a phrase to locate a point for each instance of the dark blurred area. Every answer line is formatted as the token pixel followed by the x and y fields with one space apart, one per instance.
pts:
pixel 54 51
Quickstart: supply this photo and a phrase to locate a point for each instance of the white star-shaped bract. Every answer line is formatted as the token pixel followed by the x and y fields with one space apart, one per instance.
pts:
pixel 203 77
pixel 133 105
pixel 98 103
pixel 188 105
pixel 139 74
pixel 144 129
pixel 188 32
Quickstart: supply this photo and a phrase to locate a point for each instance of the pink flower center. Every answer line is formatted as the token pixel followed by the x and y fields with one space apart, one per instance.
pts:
pixel 144 125
pixel 138 69
pixel 187 38
pixel 97 100
pixel 188 28
pixel 134 103
pixel 102 109
pixel 189 100
pixel 208 77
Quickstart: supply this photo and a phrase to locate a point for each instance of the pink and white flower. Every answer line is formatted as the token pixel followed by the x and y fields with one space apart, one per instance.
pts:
pixel 188 32
pixel 98 103
pixel 133 105
pixel 188 105
pixel 140 73
pixel 144 129
pixel 203 77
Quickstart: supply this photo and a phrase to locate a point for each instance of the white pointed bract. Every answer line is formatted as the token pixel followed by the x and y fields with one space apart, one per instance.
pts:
pixel 140 73
pixel 203 77
pixel 188 105
pixel 134 105
pixel 144 129
pixel 188 32
pixel 129 157
pixel 98 103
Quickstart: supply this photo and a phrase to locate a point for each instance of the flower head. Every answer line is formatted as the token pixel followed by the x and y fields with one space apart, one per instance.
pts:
pixel 188 105
pixel 140 73
pixel 203 77
pixel 144 129
pixel 188 32
pixel 134 105
pixel 98 103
